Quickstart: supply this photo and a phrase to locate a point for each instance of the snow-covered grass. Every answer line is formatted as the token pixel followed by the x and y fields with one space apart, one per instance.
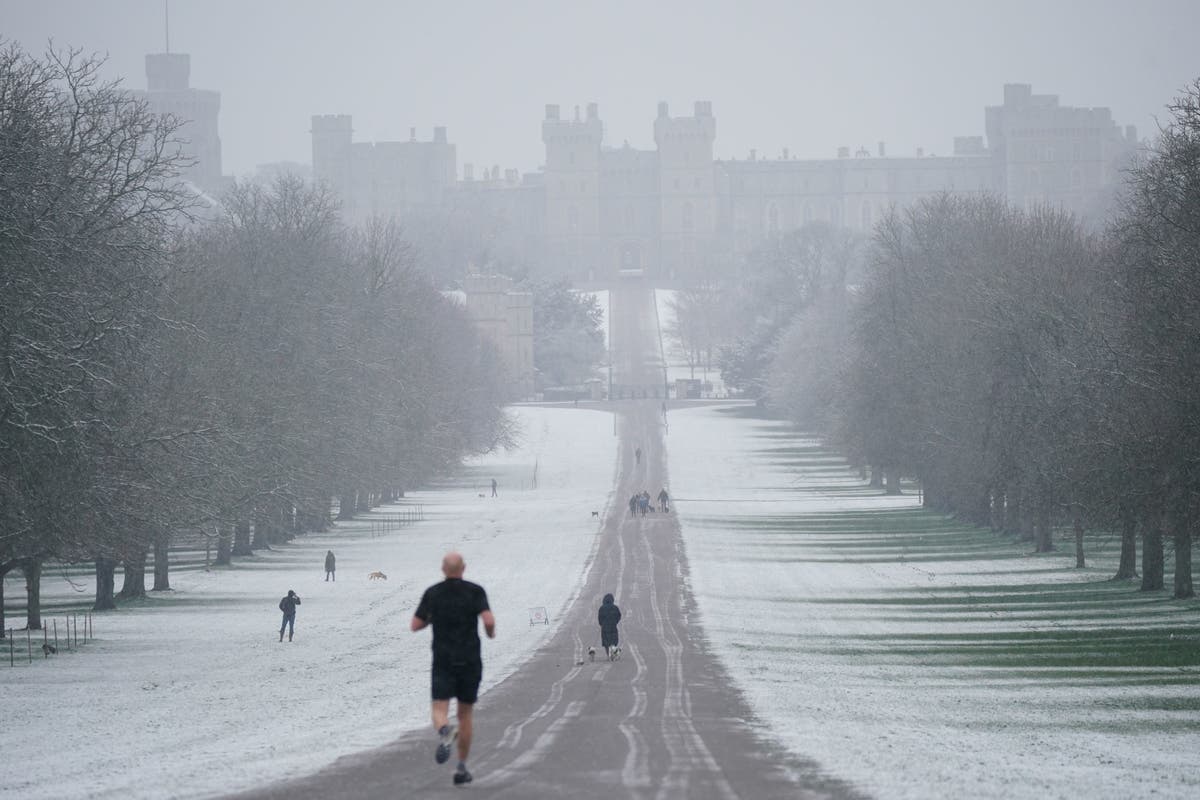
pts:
pixel 191 694
pixel 914 656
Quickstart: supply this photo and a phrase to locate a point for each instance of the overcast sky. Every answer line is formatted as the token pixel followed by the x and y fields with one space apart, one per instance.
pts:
pixel 809 76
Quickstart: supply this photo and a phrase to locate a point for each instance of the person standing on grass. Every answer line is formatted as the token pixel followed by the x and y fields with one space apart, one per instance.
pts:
pixel 493 487
pixel 288 606
pixel 330 566
pixel 454 608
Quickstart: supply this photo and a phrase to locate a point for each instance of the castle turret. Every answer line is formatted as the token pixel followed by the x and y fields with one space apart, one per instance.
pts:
pixel 573 188
pixel 331 154
pixel 686 185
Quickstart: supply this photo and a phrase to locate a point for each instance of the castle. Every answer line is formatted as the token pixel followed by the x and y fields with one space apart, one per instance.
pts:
pixel 675 213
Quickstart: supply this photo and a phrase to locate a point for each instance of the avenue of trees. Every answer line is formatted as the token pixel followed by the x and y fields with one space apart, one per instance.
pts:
pixel 1032 374
pixel 230 377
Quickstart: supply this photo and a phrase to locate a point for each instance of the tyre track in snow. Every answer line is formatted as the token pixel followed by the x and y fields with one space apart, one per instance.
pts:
pixel 663 723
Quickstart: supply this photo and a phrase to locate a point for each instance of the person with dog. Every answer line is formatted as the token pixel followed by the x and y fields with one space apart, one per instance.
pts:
pixel 288 606
pixel 608 616
pixel 454 608
pixel 330 566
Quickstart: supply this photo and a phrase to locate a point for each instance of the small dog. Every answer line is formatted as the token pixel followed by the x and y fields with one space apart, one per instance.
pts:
pixel 47 649
pixel 591 654
pixel 615 655
pixel 481 494
pixel 377 576
pixel 595 513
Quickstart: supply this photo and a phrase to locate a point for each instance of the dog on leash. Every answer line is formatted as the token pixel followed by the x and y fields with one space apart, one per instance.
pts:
pixel 591 654
pixel 377 576
pixel 595 513
pixel 47 649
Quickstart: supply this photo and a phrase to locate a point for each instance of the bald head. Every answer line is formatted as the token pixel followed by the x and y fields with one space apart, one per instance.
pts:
pixel 453 565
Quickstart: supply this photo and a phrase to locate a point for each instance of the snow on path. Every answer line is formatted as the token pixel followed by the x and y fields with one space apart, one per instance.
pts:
pixel 799 629
pixel 192 694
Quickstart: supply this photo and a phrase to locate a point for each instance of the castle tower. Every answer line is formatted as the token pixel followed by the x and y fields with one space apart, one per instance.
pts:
pixel 331 155
pixel 686 187
pixel 573 190
pixel 168 91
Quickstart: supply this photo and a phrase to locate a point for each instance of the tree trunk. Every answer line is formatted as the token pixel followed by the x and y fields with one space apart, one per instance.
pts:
pixel 346 505
pixel 224 545
pixel 999 521
pixel 876 478
pixel 1079 561
pixel 364 502
pixel 134 584
pixel 1013 514
pixel 1043 528
pixel 260 532
pixel 891 480
pixel 33 594
pixel 1152 556
pixel 4 570
pixel 162 564
pixel 1128 567
pixel 1182 534
pixel 241 538
pixel 105 581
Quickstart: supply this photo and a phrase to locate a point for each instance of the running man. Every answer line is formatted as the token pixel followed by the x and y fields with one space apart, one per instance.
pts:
pixel 453 608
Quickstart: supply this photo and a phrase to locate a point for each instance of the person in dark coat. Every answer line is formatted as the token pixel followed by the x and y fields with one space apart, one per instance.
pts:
pixel 288 606
pixel 330 566
pixel 662 499
pixel 608 617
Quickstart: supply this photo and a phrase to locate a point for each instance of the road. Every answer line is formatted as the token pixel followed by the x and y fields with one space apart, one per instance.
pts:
pixel 663 722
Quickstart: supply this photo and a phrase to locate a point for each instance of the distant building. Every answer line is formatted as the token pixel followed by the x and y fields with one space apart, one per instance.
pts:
pixel 506 318
pixel 381 178
pixel 169 91
pixel 674 213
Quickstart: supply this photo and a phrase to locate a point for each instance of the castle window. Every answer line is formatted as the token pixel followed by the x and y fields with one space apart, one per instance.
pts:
pixel 688 222
pixel 676 183
pixel 571 157
pixel 773 218
pixel 573 219
pixel 866 215
pixel 629 218
pixel 808 212
pixel 1076 178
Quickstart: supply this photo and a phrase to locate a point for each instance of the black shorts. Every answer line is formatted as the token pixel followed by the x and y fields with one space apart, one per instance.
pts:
pixel 460 681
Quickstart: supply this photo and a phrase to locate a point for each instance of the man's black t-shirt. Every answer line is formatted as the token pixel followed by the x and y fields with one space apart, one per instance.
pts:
pixel 453 607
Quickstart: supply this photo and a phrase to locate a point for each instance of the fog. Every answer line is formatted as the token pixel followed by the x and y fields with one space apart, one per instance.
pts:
pixel 803 75
pixel 889 459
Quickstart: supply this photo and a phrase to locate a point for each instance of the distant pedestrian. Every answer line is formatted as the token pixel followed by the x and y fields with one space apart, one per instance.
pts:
pixel 633 504
pixel 454 608
pixel 662 499
pixel 288 606
pixel 330 566
pixel 493 487
pixel 637 455
pixel 608 616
